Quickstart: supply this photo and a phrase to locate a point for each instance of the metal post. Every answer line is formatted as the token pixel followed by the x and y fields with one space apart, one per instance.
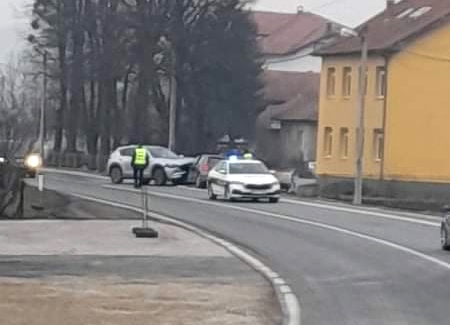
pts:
pixel 173 103
pixel 358 190
pixel 43 106
pixel 145 207
pixel 144 199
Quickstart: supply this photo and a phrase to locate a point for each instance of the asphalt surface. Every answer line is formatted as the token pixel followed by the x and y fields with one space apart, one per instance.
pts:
pixel 346 267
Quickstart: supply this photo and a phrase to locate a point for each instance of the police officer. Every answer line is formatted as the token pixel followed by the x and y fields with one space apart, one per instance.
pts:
pixel 139 162
pixel 247 155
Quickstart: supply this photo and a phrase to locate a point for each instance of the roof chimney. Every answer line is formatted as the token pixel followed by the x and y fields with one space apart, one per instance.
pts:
pixel 390 4
pixel 300 9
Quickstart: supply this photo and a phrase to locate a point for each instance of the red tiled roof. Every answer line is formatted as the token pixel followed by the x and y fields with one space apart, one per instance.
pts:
pixel 281 87
pixel 282 34
pixel 388 29
pixel 292 95
pixel 302 108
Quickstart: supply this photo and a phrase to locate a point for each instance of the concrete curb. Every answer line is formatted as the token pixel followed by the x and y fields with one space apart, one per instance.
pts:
pixel 74 173
pixel 287 299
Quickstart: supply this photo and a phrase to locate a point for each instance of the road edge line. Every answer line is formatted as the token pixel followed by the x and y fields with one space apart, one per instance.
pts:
pixel 288 301
pixel 73 173
pixel 385 214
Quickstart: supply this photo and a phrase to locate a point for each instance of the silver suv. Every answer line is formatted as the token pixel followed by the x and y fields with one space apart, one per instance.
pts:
pixel 164 165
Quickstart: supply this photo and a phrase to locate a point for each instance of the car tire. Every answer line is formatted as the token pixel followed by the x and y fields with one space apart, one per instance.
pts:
pixel 211 194
pixel 116 175
pixel 274 200
pixel 199 183
pixel 227 195
pixel 445 243
pixel 159 176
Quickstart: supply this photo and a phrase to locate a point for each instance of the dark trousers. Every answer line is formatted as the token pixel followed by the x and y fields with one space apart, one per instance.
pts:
pixel 138 174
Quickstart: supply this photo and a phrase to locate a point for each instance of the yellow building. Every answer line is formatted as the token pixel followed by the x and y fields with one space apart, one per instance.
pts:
pixel 407 102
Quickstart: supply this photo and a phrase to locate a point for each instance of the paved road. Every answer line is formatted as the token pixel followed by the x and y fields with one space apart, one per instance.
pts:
pixel 346 266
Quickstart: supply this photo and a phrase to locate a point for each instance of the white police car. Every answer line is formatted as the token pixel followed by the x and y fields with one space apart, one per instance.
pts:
pixel 243 179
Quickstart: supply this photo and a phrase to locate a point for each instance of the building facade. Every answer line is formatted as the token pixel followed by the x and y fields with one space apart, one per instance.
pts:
pixel 287 129
pixel 407 102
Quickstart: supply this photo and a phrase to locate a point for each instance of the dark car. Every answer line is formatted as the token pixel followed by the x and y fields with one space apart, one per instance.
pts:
pixel 445 229
pixel 198 173
pixel 31 163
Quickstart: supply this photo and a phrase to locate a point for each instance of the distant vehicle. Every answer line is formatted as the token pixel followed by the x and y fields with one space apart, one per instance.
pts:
pixel 199 171
pixel 445 229
pixel 31 163
pixel 243 179
pixel 164 166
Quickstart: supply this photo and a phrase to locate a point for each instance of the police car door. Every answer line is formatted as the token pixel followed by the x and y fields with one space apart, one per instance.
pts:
pixel 218 178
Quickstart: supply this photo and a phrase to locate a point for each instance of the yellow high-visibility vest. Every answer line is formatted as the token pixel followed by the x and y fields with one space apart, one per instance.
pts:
pixel 140 157
pixel 248 156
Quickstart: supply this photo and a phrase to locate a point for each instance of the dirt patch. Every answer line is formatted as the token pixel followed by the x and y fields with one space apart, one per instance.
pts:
pixel 59 206
pixel 83 301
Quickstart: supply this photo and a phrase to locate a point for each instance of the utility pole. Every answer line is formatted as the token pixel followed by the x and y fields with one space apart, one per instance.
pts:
pixel 43 106
pixel 358 189
pixel 173 101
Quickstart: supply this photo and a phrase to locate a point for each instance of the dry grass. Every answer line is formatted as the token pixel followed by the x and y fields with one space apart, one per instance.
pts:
pixel 83 301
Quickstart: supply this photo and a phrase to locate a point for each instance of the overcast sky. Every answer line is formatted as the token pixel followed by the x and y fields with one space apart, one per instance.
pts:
pixel 13 22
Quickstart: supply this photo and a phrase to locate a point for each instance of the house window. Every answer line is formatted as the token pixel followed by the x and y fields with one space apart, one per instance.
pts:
pixel 343 143
pixel 331 82
pixel 378 144
pixel 381 82
pixel 347 82
pixel 328 142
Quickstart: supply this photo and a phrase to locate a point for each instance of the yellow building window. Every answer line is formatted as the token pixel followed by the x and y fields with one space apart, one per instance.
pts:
pixel 381 82
pixel 378 144
pixel 347 82
pixel 328 142
pixel 331 82
pixel 343 143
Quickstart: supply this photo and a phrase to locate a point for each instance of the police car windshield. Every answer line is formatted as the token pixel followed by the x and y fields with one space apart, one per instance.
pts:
pixel 160 152
pixel 248 168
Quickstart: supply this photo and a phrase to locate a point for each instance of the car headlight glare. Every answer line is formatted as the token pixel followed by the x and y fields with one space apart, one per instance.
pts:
pixel 33 161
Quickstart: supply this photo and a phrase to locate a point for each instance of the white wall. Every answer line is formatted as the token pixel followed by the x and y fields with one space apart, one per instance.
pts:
pixel 301 61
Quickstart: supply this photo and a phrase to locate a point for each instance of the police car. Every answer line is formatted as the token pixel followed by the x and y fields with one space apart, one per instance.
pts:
pixel 236 178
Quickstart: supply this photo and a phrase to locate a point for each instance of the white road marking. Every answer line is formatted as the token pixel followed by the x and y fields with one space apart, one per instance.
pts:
pixel 288 300
pixel 193 189
pixel 414 218
pixel 421 219
pixel 355 234
pixel 74 173
pixel 367 212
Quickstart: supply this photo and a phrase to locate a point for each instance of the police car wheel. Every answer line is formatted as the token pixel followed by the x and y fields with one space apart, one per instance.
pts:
pixel 211 194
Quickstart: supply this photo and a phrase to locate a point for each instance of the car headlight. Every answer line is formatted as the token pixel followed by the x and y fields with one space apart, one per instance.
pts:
pixel 33 161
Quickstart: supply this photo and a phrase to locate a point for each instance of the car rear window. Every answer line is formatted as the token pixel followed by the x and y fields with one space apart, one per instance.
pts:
pixel 127 152
pixel 213 161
